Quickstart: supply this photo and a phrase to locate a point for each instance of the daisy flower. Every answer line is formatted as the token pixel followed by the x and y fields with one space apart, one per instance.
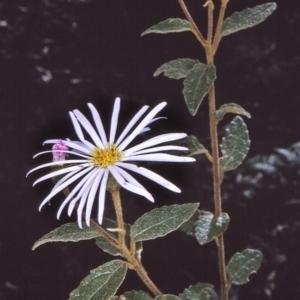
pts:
pixel 102 155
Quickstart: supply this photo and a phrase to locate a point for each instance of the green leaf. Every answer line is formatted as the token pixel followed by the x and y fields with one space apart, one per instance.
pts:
pixel 194 146
pixel 108 247
pixel 241 265
pixel 199 291
pixel 230 108
pixel 169 26
pixel 161 221
pixel 167 297
pixel 197 84
pixel 137 295
pixel 69 232
pixel 235 145
pixel 189 226
pixel 102 283
pixel 208 227
pixel 247 18
pixel 176 69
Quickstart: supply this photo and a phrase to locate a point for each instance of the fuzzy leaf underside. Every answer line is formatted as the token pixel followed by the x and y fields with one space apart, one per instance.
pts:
pixel 197 84
pixel 241 265
pixel 161 221
pixel 230 108
pixel 247 18
pixel 194 146
pixel 208 227
pixel 235 145
pixel 170 25
pixel 176 69
pixel 69 232
pixel 199 291
pixel 137 295
pixel 102 283
pixel 189 226
pixel 167 297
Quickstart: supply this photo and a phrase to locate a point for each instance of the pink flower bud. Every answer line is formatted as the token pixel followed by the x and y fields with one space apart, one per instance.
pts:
pixel 58 151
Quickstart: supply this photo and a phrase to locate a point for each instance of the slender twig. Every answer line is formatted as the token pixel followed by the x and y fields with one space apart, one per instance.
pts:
pixel 210 7
pixel 217 37
pixel 118 208
pixel 217 190
pixel 196 30
pixel 211 46
pixel 140 270
pixel 102 232
pixel 130 255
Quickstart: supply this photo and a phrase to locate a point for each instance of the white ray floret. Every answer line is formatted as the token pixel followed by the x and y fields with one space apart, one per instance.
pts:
pixel 99 156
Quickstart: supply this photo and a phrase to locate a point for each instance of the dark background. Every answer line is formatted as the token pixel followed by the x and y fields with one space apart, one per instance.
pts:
pixel 57 55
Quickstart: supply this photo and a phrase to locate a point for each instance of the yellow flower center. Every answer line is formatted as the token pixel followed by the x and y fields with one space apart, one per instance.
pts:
pixel 107 157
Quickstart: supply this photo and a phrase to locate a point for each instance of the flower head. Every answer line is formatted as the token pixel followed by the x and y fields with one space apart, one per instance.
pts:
pixel 59 151
pixel 102 156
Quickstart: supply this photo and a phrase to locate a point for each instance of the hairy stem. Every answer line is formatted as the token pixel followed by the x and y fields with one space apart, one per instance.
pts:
pixel 130 255
pixel 217 37
pixel 217 190
pixel 210 46
pixel 118 208
pixel 102 232
pixel 196 30
pixel 210 6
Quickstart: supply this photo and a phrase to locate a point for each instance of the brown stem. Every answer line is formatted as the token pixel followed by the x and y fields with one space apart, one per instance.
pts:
pixel 217 190
pixel 118 208
pixel 217 37
pixel 140 270
pixel 210 6
pixel 102 232
pixel 130 254
pixel 196 30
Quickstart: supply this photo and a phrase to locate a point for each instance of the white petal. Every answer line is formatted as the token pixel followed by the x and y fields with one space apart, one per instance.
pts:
pixel 159 157
pixel 150 175
pixel 128 177
pixel 57 173
pixel 80 185
pixel 128 186
pixel 161 148
pixel 64 185
pixel 133 188
pixel 116 175
pixel 61 162
pixel 91 197
pixel 79 132
pixel 89 128
pixel 148 128
pixel 70 144
pixel 62 180
pixel 156 119
pixel 101 199
pixel 64 151
pixel 163 138
pixel 98 123
pixel 145 130
pixel 81 205
pixel 86 185
pixel 141 126
pixel 114 121
pixel 131 124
